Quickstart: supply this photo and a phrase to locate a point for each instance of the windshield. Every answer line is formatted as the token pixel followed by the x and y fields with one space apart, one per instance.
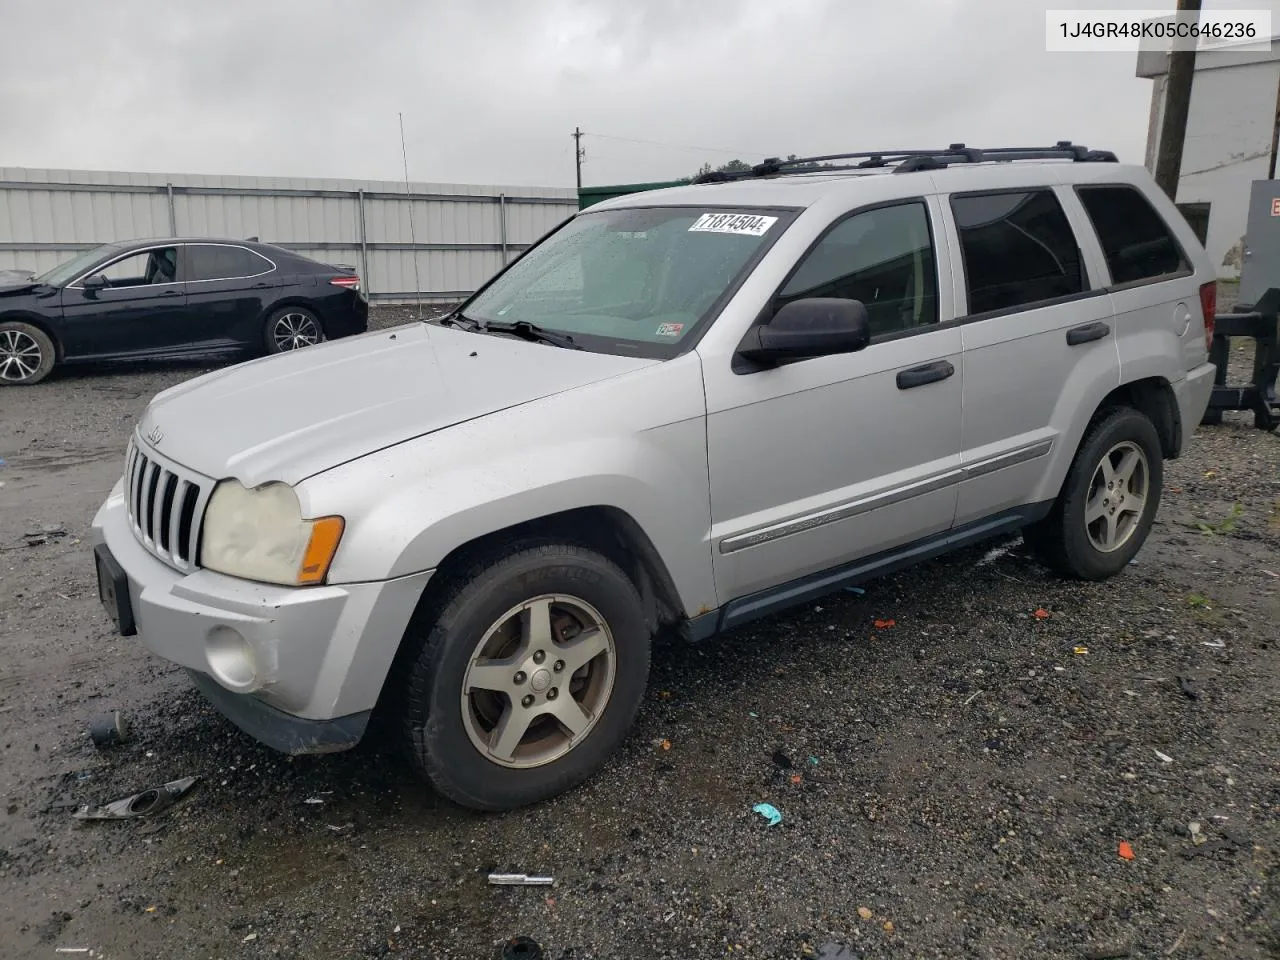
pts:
pixel 69 270
pixel 635 281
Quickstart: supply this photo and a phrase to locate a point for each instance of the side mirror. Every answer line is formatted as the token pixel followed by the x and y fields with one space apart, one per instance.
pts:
pixel 816 327
pixel 95 282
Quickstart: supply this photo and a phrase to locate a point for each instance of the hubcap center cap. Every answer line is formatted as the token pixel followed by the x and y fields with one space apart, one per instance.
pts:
pixel 540 680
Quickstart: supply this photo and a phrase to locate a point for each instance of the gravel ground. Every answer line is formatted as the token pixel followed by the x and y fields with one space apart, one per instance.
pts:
pixel 955 781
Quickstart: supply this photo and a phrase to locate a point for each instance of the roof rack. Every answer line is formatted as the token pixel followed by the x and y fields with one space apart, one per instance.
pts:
pixel 907 161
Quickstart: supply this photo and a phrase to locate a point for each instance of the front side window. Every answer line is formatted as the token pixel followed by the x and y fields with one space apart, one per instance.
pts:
pixel 145 268
pixel 209 261
pixel 635 281
pixel 1135 241
pixel 1017 249
pixel 883 258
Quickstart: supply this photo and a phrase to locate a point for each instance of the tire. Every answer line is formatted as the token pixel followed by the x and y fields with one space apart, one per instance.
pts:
pixel 1071 538
pixel 292 328
pixel 453 732
pixel 26 354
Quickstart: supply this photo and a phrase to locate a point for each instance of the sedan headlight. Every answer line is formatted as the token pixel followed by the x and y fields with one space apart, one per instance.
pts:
pixel 259 534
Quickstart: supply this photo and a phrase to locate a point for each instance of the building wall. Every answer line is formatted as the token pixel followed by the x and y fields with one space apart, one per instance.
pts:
pixel 442 239
pixel 1228 141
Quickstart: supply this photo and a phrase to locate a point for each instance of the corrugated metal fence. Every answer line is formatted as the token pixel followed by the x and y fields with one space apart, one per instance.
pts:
pixel 459 236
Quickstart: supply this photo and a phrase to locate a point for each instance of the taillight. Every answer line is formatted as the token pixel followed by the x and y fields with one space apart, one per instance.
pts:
pixel 353 283
pixel 1209 307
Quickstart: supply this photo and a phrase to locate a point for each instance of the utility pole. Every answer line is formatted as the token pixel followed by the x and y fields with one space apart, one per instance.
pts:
pixel 578 155
pixel 1177 104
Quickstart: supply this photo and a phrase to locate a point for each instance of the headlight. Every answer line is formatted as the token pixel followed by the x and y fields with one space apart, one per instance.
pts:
pixel 259 534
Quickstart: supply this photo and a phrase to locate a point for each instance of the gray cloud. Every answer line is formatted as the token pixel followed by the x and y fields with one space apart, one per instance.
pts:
pixel 491 90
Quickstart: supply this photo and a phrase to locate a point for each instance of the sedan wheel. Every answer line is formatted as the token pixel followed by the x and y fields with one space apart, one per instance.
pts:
pixel 26 354
pixel 295 330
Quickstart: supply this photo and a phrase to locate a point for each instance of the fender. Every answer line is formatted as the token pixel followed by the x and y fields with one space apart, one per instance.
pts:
pixel 642 451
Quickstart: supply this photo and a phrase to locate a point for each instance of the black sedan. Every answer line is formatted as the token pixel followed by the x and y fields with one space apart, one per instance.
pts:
pixel 173 298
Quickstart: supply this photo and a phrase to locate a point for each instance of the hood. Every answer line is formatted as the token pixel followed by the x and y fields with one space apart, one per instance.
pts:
pixel 15 285
pixel 296 414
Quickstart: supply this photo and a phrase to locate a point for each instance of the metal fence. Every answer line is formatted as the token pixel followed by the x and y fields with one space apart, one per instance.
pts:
pixel 443 240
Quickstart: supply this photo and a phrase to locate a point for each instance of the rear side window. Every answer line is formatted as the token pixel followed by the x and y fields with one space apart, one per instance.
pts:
pixel 1136 242
pixel 1018 249
pixel 207 261
pixel 882 257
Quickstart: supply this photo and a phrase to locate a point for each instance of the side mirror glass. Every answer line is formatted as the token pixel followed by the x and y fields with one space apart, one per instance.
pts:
pixel 802 329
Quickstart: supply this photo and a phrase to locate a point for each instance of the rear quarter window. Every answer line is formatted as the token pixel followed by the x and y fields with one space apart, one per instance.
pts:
pixel 1137 244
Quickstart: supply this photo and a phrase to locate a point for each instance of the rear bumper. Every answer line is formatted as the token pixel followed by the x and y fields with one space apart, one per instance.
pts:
pixel 347 318
pixel 1193 398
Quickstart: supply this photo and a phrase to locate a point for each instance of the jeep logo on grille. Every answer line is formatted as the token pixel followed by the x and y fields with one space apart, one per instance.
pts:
pixel 155 436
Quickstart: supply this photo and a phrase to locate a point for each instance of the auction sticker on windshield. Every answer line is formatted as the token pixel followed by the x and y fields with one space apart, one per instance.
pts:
pixel 746 224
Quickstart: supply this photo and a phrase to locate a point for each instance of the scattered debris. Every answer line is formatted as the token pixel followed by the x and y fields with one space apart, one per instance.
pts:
pixel 109 729
pixel 522 948
pixel 781 760
pixel 666 744
pixel 1173 948
pixel 1197 833
pixel 1163 757
pixel 1215 644
pixel 769 812
pixel 888 926
pixel 313 800
pixel 1080 651
pixel 860 592
pixel 144 804
pixel 972 697
pixel 87 950
pixel 865 913
pixel 1126 850
pixel 1272 574
pixel 813 761
pixel 1041 614
pixel 885 624
pixel 1188 687
pixel 520 880
pixel 249 938
pixel 796 778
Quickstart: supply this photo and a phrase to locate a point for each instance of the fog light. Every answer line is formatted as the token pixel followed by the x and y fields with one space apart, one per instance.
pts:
pixel 231 660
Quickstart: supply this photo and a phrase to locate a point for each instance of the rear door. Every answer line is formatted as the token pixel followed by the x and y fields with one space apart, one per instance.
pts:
pixel 1038 343
pixel 228 288
pixel 140 311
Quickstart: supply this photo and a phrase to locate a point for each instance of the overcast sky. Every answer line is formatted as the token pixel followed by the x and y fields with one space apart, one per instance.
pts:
pixel 492 89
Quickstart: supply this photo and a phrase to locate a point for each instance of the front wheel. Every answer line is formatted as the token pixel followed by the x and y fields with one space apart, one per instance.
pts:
pixel 292 328
pixel 26 354
pixel 529 678
pixel 1108 502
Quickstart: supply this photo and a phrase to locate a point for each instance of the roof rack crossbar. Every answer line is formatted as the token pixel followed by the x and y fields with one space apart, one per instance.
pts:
pixel 906 161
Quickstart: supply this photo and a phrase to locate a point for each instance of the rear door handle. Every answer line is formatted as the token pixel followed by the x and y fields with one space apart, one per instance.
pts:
pixel 929 373
pixel 1087 333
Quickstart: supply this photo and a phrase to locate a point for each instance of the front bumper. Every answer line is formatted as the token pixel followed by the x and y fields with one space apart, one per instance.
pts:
pixel 299 668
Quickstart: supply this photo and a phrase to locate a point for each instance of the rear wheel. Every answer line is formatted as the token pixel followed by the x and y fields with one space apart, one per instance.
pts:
pixel 1108 501
pixel 292 328
pixel 26 354
pixel 528 679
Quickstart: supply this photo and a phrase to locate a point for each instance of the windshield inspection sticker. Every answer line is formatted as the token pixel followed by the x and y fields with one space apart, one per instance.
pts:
pixel 670 329
pixel 746 224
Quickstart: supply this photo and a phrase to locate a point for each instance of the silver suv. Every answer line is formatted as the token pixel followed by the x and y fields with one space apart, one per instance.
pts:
pixel 682 409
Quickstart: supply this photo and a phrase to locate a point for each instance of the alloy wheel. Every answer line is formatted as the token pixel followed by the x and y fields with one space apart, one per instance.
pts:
pixel 293 331
pixel 1117 497
pixel 538 681
pixel 20 356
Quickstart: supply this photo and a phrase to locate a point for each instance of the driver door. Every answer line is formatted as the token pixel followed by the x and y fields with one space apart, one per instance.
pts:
pixel 820 462
pixel 141 310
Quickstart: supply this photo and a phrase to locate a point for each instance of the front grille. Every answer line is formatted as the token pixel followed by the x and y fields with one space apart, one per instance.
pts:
pixel 166 505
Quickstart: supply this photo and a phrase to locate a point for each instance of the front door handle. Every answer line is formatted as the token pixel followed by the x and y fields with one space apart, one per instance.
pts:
pixel 1087 333
pixel 171 293
pixel 929 373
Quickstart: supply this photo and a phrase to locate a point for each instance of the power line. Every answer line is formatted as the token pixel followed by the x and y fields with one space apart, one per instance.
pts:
pixel 679 146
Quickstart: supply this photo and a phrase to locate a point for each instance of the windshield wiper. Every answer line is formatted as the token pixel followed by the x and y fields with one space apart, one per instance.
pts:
pixel 458 319
pixel 530 331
